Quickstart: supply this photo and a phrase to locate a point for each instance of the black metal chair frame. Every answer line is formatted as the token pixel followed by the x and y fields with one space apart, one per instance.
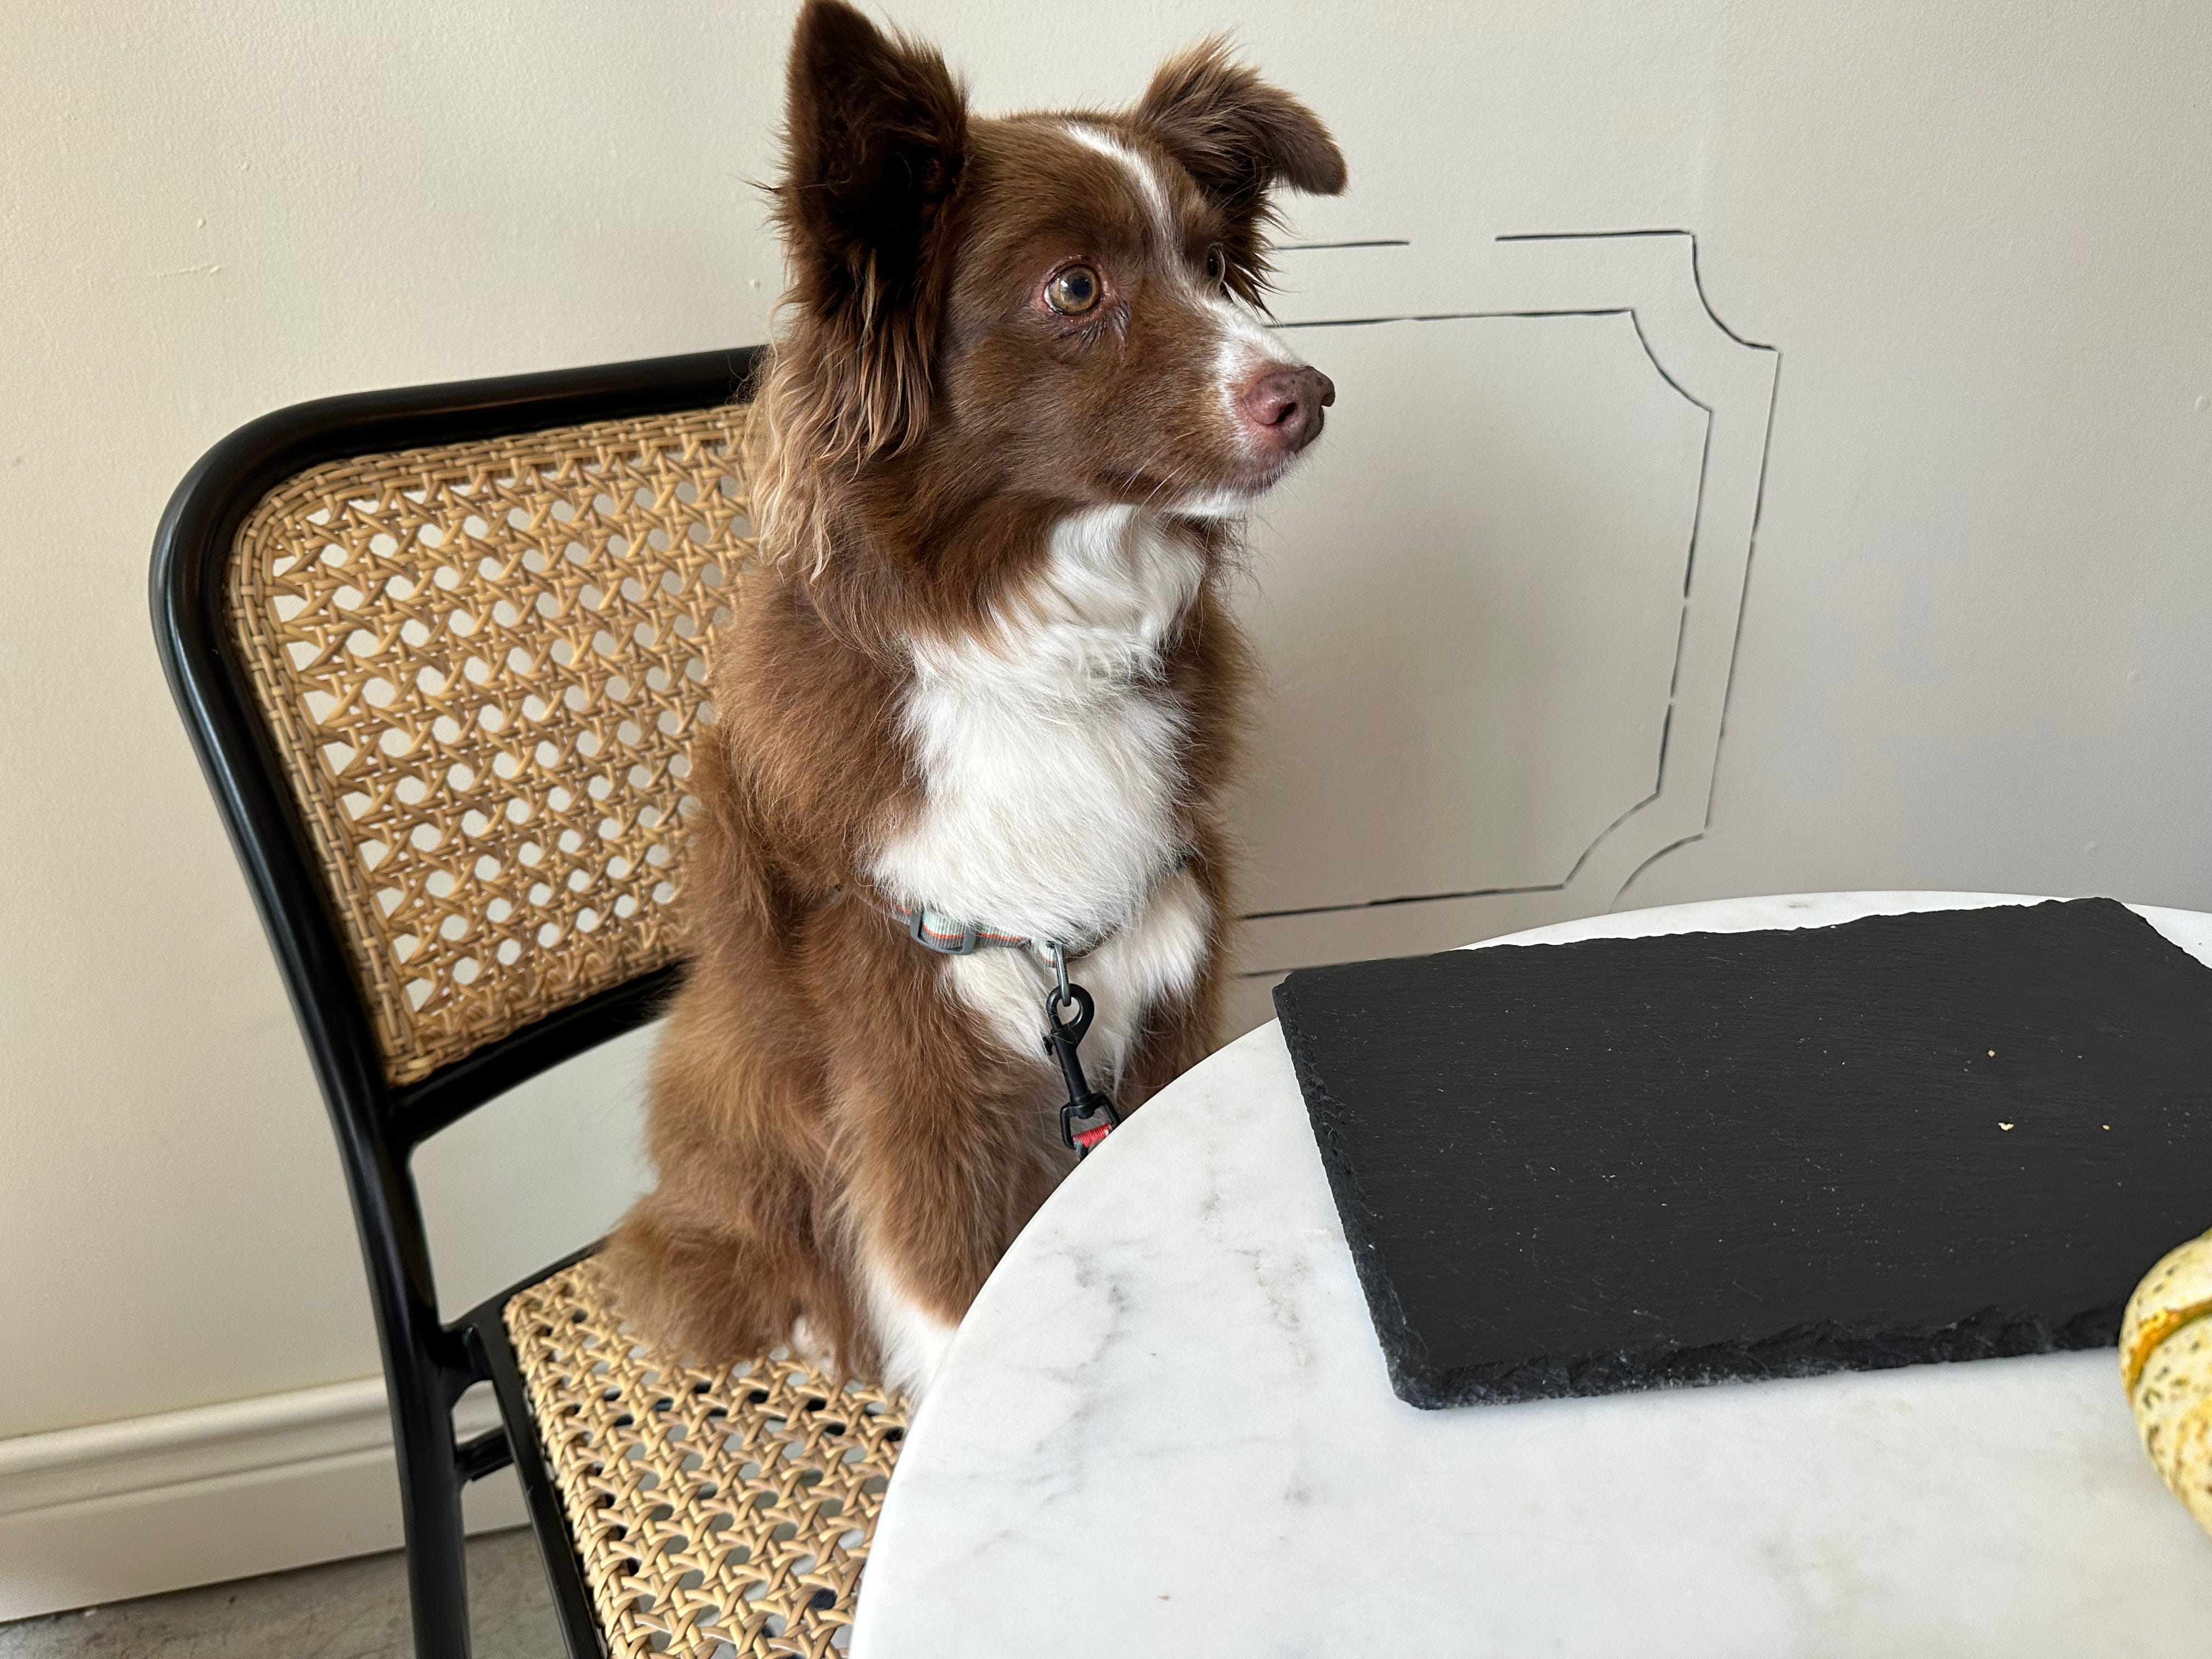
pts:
pixel 428 1363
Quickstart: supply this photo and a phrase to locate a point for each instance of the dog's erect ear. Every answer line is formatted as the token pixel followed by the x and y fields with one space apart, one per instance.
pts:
pixel 876 133
pixel 1238 136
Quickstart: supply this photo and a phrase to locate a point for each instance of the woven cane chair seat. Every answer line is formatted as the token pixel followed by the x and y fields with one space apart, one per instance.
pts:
pixel 717 1513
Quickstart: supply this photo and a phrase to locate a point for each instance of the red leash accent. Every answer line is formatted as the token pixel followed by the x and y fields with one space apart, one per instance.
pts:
pixel 1089 1139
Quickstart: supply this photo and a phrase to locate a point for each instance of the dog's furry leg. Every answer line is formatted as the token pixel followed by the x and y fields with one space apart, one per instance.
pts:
pixel 943 1162
pixel 733 1252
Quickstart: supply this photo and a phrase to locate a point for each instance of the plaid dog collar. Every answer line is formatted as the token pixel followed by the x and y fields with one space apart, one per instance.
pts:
pixel 947 936
pixel 935 931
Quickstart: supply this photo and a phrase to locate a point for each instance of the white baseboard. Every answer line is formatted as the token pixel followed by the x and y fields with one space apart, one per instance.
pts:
pixel 154 1503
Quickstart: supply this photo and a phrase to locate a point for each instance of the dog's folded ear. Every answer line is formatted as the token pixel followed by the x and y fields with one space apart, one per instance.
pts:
pixel 876 134
pixel 1235 134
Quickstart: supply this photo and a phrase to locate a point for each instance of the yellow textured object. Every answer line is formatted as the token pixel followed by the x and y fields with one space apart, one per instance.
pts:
pixel 482 665
pixel 2165 1363
pixel 718 1514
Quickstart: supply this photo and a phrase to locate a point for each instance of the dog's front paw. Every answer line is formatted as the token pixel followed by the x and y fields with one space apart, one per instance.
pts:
pixel 809 1344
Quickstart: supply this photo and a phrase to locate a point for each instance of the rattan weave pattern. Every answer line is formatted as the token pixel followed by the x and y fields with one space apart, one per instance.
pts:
pixel 710 1507
pixel 482 665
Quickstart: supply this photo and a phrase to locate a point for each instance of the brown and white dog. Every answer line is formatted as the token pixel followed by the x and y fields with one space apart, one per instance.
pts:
pixel 1019 398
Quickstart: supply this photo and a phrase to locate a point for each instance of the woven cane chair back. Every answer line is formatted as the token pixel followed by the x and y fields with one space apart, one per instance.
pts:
pixel 482 666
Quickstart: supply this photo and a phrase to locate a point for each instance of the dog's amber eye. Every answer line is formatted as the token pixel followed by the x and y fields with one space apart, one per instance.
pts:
pixel 1074 291
pixel 1216 266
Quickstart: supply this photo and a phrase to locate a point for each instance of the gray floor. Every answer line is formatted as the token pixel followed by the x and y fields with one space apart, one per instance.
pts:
pixel 348 1610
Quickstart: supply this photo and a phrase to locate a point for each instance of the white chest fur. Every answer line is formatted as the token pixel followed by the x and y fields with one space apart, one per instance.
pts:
pixel 1049 754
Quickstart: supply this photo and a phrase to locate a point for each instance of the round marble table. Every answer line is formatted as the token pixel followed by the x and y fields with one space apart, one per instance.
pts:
pixel 1165 1429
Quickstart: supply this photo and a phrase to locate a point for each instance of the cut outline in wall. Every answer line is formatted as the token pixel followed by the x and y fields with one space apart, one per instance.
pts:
pixel 1644 276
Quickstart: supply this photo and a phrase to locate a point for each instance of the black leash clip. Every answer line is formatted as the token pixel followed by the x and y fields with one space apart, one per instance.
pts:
pixel 1089 1117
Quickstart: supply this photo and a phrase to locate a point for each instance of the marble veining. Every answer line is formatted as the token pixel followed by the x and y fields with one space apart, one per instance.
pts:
pixel 1165 1428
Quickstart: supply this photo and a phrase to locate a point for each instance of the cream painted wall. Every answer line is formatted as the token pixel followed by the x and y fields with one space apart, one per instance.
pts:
pixel 1977 646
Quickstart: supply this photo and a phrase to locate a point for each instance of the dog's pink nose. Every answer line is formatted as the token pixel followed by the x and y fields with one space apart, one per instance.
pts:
pixel 1282 406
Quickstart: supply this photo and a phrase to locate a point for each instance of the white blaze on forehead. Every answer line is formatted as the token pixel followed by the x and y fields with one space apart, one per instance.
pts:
pixel 1242 346
pixel 1138 168
pixel 1244 342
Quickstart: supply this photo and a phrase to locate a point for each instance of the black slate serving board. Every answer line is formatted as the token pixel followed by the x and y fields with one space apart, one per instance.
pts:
pixel 1626 1163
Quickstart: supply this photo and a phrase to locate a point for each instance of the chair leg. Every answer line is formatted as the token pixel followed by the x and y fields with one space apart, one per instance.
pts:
pixel 430 1506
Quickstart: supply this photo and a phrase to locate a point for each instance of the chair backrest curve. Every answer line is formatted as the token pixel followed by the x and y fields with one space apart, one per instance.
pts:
pixel 482 666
